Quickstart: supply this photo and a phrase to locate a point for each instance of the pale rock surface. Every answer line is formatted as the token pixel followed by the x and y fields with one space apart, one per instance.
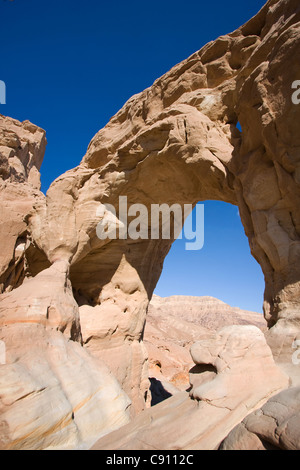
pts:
pixel 178 142
pixel 273 427
pixel 175 323
pixel 22 147
pixel 111 331
pixel 53 394
pixel 234 374
pixel 205 311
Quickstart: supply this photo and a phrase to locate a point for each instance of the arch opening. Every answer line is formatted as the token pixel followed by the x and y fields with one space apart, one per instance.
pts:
pixel 199 293
pixel 224 268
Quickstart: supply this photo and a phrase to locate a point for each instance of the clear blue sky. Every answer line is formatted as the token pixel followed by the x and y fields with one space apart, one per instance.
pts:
pixel 70 65
pixel 223 268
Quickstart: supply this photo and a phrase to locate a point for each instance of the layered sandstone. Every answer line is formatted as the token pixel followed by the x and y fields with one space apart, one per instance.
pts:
pixel 22 147
pixel 273 427
pixel 207 312
pixel 54 395
pixel 234 374
pixel 176 142
pixel 173 325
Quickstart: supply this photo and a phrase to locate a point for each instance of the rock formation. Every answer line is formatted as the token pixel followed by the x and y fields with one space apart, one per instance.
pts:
pixel 174 324
pixel 207 312
pixel 182 131
pixel 273 427
pixel 176 142
pixel 234 374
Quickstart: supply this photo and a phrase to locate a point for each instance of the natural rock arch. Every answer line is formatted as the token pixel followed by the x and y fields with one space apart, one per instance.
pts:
pixel 177 142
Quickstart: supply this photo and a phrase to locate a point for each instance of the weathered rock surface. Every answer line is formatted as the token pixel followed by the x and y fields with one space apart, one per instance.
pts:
pixel 207 312
pixel 174 324
pixel 234 374
pixel 22 147
pixel 273 427
pixel 176 142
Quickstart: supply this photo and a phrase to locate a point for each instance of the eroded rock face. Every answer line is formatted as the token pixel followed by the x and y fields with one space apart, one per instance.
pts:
pixel 53 394
pixel 176 142
pixel 228 362
pixel 234 374
pixel 22 147
pixel 175 323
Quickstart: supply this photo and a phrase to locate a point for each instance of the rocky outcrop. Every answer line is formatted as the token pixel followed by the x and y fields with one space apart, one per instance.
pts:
pixel 176 142
pixel 228 362
pixel 174 324
pixel 234 374
pixel 273 427
pixel 207 312
pixel 53 394
pixel 22 148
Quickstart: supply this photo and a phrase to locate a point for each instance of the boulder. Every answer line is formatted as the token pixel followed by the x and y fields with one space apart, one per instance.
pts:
pixel 275 426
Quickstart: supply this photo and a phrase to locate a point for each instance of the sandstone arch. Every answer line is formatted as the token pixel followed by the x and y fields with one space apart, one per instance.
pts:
pixel 177 142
